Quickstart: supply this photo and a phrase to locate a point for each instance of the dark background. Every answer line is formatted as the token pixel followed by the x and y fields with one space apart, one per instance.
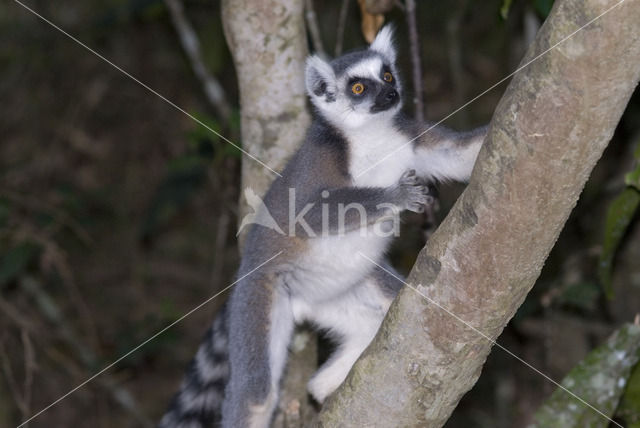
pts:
pixel 118 212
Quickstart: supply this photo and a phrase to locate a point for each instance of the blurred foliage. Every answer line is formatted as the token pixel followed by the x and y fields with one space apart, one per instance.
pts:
pixel 202 135
pixel 599 380
pixel 629 410
pixel 581 295
pixel 620 215
pixel 633 178
pixel 15 260
pixel 543 7
pixel 504 10
pixel 186 174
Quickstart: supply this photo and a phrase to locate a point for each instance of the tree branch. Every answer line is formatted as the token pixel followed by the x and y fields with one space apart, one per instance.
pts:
pixel 50 310
pixel 191 45
pixel 456 68
pixel 314 28
pixel 416 63
pixel 548 132
pixel 342 23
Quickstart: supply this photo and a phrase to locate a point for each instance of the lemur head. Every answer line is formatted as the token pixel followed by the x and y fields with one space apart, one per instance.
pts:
pixel 357 87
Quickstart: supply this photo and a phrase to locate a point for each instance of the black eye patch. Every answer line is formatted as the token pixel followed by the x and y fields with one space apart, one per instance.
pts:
pixel 369 88
pixel 387 69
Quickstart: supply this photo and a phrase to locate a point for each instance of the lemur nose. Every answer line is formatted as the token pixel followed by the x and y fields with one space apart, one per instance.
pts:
pixel 391 95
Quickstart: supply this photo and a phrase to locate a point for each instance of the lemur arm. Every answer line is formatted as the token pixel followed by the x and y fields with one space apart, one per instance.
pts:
pixel 341 210
pixel 444 154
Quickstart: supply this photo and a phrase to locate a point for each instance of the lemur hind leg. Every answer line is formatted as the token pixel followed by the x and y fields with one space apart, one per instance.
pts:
pixel 354 320
pixel 259 335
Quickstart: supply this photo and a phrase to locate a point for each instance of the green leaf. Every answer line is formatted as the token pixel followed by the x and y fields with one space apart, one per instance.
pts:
pixel 636 153
pixel 599 380
pixel 633 178
pixel 619 216
pixel 504 9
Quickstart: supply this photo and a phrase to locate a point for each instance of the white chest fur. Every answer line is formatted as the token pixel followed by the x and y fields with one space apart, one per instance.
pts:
pixel 332 265
pixel 378 155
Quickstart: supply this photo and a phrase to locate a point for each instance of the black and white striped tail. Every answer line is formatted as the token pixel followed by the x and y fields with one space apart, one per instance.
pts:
pixel 198 403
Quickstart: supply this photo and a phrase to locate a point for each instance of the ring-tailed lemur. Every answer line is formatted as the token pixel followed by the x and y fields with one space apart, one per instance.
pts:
pixel 318 275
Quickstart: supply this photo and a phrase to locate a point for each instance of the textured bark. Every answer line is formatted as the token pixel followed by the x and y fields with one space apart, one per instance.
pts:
pixel 548 132
pixel 268 43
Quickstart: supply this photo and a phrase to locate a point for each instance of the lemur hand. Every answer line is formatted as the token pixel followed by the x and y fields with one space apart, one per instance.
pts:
pixel 412 194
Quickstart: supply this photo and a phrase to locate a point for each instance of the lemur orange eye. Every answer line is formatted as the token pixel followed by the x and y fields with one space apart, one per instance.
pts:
pixel 357 88
pixel 387 77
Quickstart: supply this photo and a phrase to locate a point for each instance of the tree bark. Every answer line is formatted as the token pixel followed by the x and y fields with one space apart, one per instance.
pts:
pixel 548 132
pixel 268 43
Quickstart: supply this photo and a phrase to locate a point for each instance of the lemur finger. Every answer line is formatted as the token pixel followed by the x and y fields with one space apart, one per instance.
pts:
pixel 409 177
pixel 416 207
pixel 429 199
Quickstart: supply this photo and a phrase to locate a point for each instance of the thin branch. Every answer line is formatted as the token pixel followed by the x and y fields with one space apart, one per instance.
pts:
pixel 11 381
pixel 59 215
pixel 212 88
pixel 29 368
pixel 314 28
pixel 342 23
pixel 54 256
pixel 57 257
pixel 414 45
pixel 53 313
pixel 454 49
pixel 16 315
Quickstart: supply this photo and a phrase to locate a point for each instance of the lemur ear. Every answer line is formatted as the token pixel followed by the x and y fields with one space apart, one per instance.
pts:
pixel 383 43
pixel 320 78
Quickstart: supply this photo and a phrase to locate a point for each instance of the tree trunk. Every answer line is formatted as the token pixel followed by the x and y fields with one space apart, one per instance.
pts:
pixel 548 132
pixel 268 43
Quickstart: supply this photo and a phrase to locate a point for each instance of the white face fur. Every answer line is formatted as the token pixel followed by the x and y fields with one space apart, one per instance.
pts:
pixel 359 87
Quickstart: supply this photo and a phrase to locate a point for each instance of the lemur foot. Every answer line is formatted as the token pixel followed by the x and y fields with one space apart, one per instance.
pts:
pixel 324 383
